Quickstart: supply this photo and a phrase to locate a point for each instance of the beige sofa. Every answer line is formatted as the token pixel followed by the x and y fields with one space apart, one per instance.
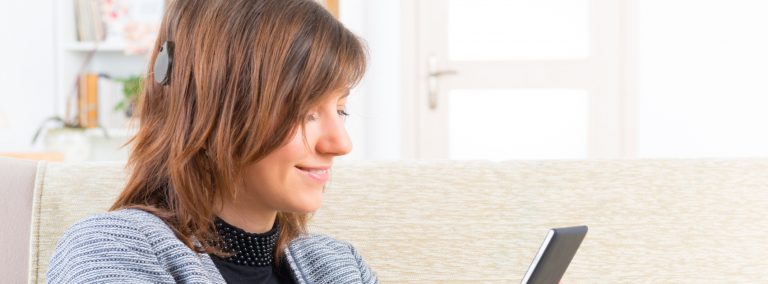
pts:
pixel 682 221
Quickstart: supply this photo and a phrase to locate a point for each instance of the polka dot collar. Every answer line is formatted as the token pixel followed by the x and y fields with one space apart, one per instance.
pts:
pixel 248 248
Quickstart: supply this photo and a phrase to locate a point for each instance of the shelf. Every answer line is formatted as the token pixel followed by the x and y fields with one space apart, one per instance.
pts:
pixel 109 57
pixel 77 144
pixel 113 132
pixel 88 46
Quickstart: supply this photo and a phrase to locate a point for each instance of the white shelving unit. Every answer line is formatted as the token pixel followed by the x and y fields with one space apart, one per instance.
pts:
pixel 71 54
pixel 107 58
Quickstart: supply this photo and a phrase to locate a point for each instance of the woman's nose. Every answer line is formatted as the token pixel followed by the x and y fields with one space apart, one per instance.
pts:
pixel 334 139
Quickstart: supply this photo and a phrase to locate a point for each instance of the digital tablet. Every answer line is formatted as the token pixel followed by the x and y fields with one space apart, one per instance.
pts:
pixel 554 255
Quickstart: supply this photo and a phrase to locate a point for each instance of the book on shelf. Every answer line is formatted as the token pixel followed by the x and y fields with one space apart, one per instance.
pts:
pixel 110 94
pixel 90 26
pixel 95 101
pixel 88 100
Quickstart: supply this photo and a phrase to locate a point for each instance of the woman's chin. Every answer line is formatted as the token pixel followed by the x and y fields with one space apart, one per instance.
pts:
pixel 307 205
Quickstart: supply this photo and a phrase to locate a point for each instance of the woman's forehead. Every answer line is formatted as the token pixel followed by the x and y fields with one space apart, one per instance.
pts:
pixel 344 95
pixel 338 94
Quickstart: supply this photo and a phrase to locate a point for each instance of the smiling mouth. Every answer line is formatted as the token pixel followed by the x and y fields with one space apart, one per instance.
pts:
pixel 316 174
pixel 318 170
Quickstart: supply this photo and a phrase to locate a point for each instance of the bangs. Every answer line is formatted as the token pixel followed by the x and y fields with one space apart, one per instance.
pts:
pixel 341 58
pixel 351 63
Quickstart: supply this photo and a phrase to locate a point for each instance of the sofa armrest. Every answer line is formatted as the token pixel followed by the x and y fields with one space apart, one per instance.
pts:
pixel 17 179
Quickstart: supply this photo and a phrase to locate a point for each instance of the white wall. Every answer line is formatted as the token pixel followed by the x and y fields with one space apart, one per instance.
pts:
pixel 350 13
pixel 375 124
pixel 26 70
pixel 702 79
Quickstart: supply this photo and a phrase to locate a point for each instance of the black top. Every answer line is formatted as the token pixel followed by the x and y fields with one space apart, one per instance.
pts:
pixel 252 259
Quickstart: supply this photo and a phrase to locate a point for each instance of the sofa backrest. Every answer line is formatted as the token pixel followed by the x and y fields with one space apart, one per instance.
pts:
pixel 17 180
pixel 66 193
pixel 471 221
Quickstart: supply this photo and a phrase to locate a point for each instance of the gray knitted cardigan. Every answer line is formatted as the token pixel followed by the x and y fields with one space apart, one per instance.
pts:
pixel 134 246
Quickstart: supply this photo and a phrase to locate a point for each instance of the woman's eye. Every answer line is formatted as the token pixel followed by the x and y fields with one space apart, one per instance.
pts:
pixel 314 116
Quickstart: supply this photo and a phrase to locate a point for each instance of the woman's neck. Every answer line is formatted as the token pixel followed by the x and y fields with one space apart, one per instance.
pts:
pixel 248 218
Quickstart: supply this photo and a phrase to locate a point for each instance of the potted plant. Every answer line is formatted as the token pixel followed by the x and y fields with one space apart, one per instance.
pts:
pixel 131 90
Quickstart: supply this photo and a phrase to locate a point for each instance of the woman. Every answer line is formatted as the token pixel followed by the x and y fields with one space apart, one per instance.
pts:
pixel 239 122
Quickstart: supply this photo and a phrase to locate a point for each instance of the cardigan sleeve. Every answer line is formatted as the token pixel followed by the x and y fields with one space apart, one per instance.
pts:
pixel 366 274
pixel 105 249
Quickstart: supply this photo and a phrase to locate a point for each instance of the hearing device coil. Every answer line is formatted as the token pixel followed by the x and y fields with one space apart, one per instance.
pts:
pixel 163 63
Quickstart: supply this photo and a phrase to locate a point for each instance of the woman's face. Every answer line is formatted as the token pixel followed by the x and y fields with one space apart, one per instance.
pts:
pixel 291 178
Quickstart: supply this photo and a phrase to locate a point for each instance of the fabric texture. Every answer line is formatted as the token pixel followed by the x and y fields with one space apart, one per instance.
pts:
pixel 133 246
pixel 650 221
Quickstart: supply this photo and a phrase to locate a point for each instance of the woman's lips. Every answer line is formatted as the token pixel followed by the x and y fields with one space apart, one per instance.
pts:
pixel 317 174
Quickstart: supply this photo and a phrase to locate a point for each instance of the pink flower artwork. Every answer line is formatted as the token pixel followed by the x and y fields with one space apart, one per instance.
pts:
pixel 132 24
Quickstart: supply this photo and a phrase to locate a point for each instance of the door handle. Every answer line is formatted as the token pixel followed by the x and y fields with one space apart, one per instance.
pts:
pixel 433 76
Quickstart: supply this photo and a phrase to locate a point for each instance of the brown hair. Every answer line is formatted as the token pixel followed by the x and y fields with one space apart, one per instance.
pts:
pixel 244 75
